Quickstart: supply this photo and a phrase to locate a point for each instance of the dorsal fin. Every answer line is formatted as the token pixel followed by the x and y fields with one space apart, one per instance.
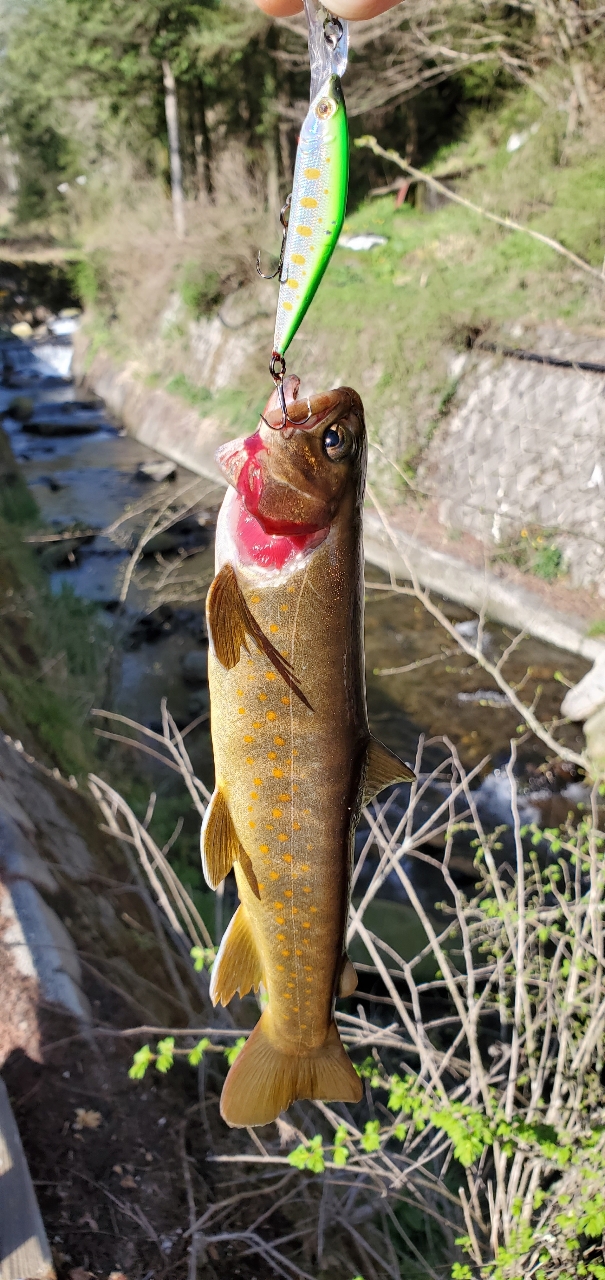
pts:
pixel 383 768
pixel 221 847
pixel 230 622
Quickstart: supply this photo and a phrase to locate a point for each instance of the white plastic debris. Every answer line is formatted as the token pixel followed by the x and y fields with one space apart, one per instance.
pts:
pixel 362 242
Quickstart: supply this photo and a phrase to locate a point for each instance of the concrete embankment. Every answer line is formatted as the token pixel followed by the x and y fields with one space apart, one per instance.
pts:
pixel 414 544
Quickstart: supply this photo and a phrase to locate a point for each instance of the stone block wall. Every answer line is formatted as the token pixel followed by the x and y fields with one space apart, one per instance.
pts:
pixel 524 444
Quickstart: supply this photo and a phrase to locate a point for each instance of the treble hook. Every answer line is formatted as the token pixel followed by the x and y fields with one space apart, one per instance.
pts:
pixel 278 375
pixel 284 218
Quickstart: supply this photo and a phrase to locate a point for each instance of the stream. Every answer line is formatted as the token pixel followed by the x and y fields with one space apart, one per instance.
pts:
pixel 85 473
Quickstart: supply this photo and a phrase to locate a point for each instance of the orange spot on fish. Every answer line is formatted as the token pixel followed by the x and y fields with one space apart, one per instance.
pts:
pixel 279 742
pixel 306 924
pixel 258 782
pixel 274 875
pixel 305 867
pixel 249 737
pixel 280 967
pixel 309 848
pixel 287 857
pixel 286 701
pixel 277 813
pixel 257 725
pixel 298 951
pixel 269 826
pixel 303 1026
pixel 273 627
pixel 296 826
pixel 252 824
pixel 278 773
pixel 306 888
pixel 270 675
pixel 284 796
pixel 287 995
pixel 262 697
pixel 272 755
pixel 304 231
pixel 287 306
pixel 285 953
pixel 313 908
pixel 292 284
pixel 279 920
pixel 282 837
pixel 249 760
pixel 287 893
pixel 281 937
pixel 263 848
pixel 255 599
pixel 278 906
pixel 271 715
pixel 284 607
pixel 312 173
pixel 253 795
pixel 308 202
pixel 294 911
pixel 261 887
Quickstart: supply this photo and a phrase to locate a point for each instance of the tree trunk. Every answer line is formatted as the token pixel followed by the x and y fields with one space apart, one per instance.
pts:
pixel 176 176
pixel 202 142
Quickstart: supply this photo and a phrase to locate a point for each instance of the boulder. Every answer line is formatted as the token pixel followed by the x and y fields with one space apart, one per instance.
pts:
pixel 594 729
pixel 70 418
pixel 162 469
pixel 588 695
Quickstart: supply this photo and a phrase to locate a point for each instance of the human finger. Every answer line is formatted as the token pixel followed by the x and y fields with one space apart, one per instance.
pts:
pixel 351 9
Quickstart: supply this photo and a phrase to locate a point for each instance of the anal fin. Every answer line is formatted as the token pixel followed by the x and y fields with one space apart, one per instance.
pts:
pixel 237 966
pixel 383 768
pixel 231 624
pixel 245 863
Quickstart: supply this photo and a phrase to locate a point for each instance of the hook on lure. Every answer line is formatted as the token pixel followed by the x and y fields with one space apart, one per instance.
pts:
pixel 284 218
pixel 277 369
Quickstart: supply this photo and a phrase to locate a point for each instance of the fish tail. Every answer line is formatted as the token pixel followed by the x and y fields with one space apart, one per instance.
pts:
pixel 264 1080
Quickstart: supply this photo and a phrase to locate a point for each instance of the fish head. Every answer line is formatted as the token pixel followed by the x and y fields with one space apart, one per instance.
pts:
pixel 293 478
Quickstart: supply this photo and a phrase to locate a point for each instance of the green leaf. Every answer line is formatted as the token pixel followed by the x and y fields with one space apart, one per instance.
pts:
pixel 340 1155
pixel 202 956
pixel 140 1062
pixel 165 1054
pixel 298 1157
pixel 232 1051
pixel 460 1271
pixel 195 1056
pixel 370 1140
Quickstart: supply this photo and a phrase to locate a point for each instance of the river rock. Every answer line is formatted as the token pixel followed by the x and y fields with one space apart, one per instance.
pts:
pixel 588 695
pixel 594 729
pixel 22 329
pixel 161 470
pixel 21 408
pixel 194 666
pixel 76 417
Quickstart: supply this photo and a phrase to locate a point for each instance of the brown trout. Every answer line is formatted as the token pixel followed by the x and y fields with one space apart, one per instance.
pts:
pixel 293 754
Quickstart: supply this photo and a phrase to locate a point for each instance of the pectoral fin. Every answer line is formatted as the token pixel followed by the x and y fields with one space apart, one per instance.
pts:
pixel 221 847
pixel 237 966
pixel 348 979
pixel 231 623
pixel 383 768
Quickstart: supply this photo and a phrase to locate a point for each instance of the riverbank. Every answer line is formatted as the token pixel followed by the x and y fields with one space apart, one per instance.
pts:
pixel 455 566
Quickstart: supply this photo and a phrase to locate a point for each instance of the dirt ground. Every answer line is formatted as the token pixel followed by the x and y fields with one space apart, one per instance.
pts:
pixel 107 1158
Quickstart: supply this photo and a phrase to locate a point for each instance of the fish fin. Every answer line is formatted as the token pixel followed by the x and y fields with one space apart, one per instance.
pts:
pixel 382 769
pixel 248 870
pixel 237 966
pixel 348 978
pixel 264 1080
pixel 230 622
pixel 219 843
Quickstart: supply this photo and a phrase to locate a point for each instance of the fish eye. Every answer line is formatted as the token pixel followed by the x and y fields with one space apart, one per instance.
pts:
pixel 337 442
pixel 325 108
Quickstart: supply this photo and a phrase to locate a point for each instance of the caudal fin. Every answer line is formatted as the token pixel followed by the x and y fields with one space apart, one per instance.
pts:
pixel 264 1080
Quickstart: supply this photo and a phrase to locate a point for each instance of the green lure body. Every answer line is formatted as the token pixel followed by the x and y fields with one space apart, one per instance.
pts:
pixel 317 209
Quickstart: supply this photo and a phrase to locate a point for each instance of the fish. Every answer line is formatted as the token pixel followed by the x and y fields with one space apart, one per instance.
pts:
pixel 317 208
pixel 294 757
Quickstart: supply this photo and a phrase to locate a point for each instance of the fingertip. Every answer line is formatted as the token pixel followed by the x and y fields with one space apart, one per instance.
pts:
pixel 280 8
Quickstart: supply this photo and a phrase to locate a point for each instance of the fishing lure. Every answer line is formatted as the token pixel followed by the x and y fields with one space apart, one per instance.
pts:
pixel 294 757
pixel 313 219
